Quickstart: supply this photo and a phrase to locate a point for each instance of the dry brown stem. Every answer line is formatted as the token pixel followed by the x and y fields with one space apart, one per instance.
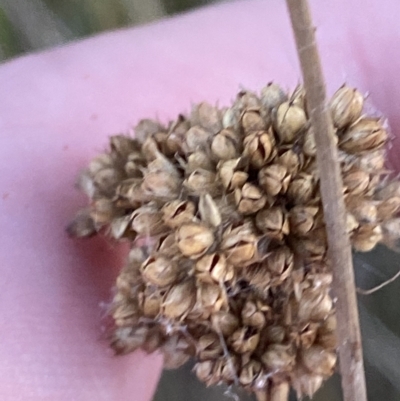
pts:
pixel 350 351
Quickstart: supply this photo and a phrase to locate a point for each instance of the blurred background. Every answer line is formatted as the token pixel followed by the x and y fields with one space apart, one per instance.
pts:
pixel 30 25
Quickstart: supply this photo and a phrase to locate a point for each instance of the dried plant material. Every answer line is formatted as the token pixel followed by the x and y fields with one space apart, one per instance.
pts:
pixel 228 261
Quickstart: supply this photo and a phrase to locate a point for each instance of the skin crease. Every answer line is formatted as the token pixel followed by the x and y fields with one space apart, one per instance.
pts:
pixel 57 110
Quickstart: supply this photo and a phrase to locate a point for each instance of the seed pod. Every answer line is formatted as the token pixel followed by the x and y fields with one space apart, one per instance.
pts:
pixel 346 106
pixel 122 145
pixel 244 340
pixel 309 146
pixel 364 210
pixel 252 316
pixel 179 300
pixel 161 184
pixel 371 161
pixel 135 165
pixel 249 373
pixel 231 118
pixel 302 189
pixel 249 199
pixel 147 220
pixel 239 245
pixel 210 298
pixel 280 262
pixel 152 302
pixel 298 97
pixel 106 180
pixel 176 136
pixel 224 322
pixel 231 174
pixel 391 234
pixel 194 239
pixel 199 160
pixel 160 271
pixel 314 304
pixel 356 182
pixel 209 211
pixel 273 222
pixel 125 313
pixel 82 225
pixel 366 237
pixel 102 212
pixel 100 162
pixel 389 190
pixel 275 334
pixel 327 334
pixel 177 212
pixel 214 268
pixel 318 361
pixel 251 120
pixel 388 208
pixel 274 179
pixel 209 347
pixel 304 383
pixel 259 147
pixel 258 276
pixel 230 369
pixel 176 351
pixel 202 181
pixel 128 339
pixel 207 116
pixel 119 228
pixel 303 219
pixel 197 139
pixel 291 160
pixel 272 96
pixel 167 245
pixel 290 120
pixel 226 144
pixel 278 358
pixel 366 134
pixel 246 100
pixel 130 194
pixel 147 128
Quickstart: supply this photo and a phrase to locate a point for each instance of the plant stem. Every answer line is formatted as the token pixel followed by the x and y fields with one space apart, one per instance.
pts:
pixel 350 350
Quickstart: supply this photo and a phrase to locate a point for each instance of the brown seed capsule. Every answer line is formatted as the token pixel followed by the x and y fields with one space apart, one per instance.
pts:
pixel 211 297
pixel 128 339
pixel 161 185
pixel 318 361
pixel 252 316
pixel 130 194
pixel 199 161
pixel 98 163
pixel 278 358
pixel 179 300
pixel 194 239
pixel 273 222
pixel 249 373
pixel 371 162
pixel 274 179
pixel 231 173
pixel 166 245
pixel 119 228
pixel 309 146
pixel 249 199
pixel 364 210
pixel 391 234
pixel 106 180
pixel 197 139
pixel 209 211
pixel 102 212
pixel 147 220
pixel 176 136
pixel 146 128
pixel 365 135
pixel 230 369
pixel 207 116
pixel 313 247
pixel 346 106
pixel 151 147
pixel 176 351
pixel 135 165
pixel 224 322
pixel 258 276
pixel 259 147
pixel 240 245
pixel 202 181
pixel 226 144
pixel 304 383
pixel 290 120
pixel 303 219
pixel 291 160
pixel 246 100
pixel 82 225
pixel 252 120
pixel 204 371
pixel 302 188
pixel 209 347
pixel 160 271
pixel 122 145
pixel 275 334
pixel 152 302
pixel 298 97
pixel 314 304
pixel 356 182
pixel 366 237
pixel 388 208
pixel 125 313
pixel 272 96
pixel 214 268
pixel 177 212
pixel 389 190
pixel 244 340
pixel 280 262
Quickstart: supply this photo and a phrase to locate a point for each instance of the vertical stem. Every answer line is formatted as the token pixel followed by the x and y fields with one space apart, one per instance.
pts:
pixel 350 351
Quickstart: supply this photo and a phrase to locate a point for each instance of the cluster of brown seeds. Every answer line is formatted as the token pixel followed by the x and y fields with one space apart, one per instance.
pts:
pixel 228 244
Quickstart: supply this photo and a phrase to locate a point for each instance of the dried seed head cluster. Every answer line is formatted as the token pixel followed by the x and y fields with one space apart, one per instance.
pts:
pixel 228 245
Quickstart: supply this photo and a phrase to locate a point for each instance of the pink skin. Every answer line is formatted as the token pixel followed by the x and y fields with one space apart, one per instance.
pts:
pixel 56 111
